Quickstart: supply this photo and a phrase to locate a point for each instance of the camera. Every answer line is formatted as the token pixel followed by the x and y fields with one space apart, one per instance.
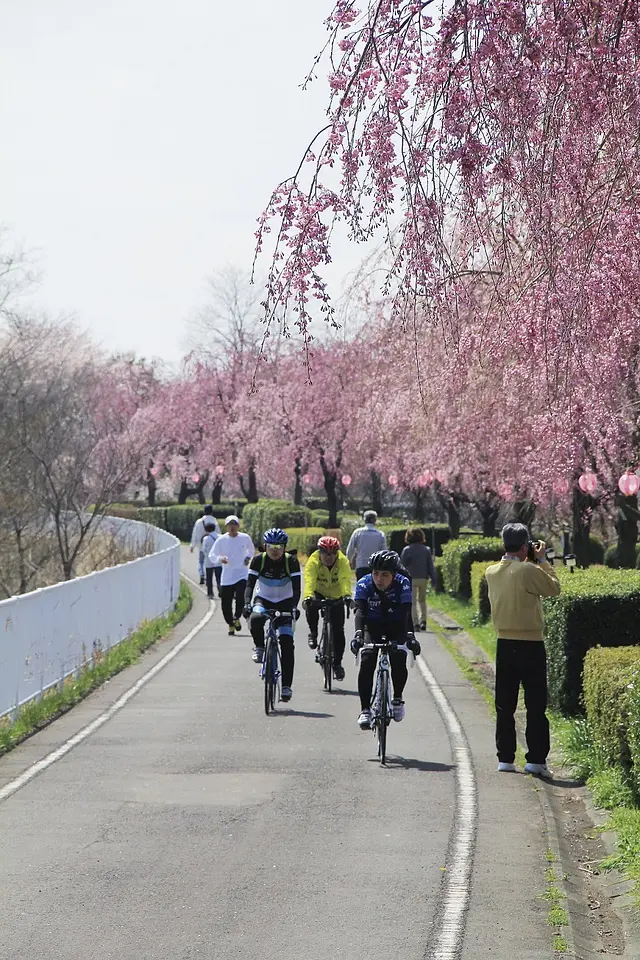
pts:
pixel 531 553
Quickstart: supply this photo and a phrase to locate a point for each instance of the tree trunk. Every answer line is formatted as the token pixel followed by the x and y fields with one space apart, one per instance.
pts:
pixel 184 492
pixel 249 491
pixel 152 487
pixel 216 493
pixel 297 493
pixel 524 511
pixel 330 482
pixel 627 529
pixel 376 492
pixel 453 518
pixel 419 509
pixel 489 513
pixel 581 509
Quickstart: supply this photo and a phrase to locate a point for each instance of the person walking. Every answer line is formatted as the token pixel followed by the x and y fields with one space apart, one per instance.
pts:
pixel 210 537
pixel 516 586
pixel 234 551
pixel 364 542
pixel 417 558
pixel 198 534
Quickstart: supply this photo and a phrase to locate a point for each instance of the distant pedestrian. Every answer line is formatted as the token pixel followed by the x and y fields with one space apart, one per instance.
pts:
pixel 207 548
pixel 235 551
pixel 365 541
pixel 417 558
pixel 516 586
pixel 197 536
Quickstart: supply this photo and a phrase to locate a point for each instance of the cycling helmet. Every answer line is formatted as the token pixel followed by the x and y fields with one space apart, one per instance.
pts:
pixel 276 537
pixel 329 544
pixel 385 560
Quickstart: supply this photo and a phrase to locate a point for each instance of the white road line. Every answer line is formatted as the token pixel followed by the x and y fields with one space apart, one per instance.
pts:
pixel 447 940
pixel 14 785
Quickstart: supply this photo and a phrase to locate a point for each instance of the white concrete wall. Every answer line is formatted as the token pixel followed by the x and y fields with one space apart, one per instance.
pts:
pixel 48 634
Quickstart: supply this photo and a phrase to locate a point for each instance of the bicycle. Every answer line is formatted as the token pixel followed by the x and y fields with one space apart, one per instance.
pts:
pixel 270 670
pixel 381 705
pixel 324 655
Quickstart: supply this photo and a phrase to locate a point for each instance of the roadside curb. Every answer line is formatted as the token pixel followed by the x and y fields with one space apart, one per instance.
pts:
pixel 579 932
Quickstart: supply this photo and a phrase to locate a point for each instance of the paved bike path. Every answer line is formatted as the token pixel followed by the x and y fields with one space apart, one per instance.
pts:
pixel 192 826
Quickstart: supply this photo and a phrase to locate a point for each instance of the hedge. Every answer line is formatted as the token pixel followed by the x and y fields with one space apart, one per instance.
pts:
pixel 458 557
pixel 304 539
pixel 439 580
pixel 480 591
pixel 258 517
pixel 596 607
pixel 608 672
pixel 612 560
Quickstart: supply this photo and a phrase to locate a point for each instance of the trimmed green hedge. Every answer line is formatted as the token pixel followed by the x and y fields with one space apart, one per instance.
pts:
pixel 608 672
pixel 260 516
pixel 458 557
pixel 304 539
pixel 612 560
pixel 178 520
pixel 480 591
pixel 597 607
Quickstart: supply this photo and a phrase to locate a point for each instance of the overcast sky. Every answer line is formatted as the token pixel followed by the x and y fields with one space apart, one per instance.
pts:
pixel 140 141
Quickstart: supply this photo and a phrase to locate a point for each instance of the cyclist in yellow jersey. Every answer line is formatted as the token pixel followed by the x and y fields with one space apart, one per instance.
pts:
pixel 327 576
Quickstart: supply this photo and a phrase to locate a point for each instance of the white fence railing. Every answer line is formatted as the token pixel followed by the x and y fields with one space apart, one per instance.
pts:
pixel 51 633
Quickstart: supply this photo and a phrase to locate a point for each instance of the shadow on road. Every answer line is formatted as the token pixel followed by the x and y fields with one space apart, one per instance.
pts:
pixel 341 692
pixel 284 712
pixel 406 763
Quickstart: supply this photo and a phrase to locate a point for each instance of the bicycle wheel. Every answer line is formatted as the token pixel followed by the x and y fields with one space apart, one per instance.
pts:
pixel 328 655
pixel 269 677
pixel 275 673
pixel 383 717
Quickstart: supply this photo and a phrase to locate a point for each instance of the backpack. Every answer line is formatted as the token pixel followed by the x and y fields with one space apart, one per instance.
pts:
pixel 286 562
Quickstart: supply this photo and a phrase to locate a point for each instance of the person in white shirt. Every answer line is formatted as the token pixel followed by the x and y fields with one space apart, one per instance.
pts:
pixel 207 547
pixel 364 542
pixel 197 536
pixel 234 550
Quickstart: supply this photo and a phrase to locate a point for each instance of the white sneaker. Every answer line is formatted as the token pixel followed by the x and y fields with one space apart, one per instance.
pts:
pixel 506 767
pixel 538 770
pixel 258 654
pixel 398 710
pixel 364 720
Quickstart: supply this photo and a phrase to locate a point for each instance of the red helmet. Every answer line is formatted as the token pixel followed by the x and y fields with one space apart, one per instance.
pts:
pixel 329 544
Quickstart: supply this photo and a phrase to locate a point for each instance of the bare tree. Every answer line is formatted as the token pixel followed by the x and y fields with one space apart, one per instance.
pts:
pixel 230 323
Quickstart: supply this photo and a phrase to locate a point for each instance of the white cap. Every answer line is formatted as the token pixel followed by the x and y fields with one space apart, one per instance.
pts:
pixel 232 519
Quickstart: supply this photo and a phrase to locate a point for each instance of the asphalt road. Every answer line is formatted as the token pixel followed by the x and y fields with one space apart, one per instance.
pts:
pixel 191 826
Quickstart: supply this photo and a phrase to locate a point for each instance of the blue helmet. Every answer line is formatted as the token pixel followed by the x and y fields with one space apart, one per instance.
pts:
pixel 275 536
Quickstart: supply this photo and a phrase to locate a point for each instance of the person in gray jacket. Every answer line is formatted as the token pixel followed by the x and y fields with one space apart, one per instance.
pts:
pixel 417 558
pixel 365 541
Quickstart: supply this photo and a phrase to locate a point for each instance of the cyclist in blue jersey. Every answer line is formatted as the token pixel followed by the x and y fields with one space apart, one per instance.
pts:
pixel 275 577
pixel 383 608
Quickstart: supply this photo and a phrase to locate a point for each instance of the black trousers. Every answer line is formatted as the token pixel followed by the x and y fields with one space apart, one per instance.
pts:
pixel 369 659
pixel 521 662
pixel 336 616
pixel 233 596
pixel 209 573
pixel 284 632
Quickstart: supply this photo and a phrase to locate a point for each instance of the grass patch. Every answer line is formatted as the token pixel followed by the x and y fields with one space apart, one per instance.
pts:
pixel 559 944
pixel 463 612
pixel 465 667
pixel 38 713
pixel 557 916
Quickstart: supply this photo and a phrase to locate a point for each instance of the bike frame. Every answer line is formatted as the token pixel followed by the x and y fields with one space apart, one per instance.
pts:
pixel 381 700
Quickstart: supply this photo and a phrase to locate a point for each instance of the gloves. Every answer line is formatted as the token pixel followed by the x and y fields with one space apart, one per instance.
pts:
pixel 247 611
pixel 356 644
pixel 413 645
pixel 348 602
pixel 306 603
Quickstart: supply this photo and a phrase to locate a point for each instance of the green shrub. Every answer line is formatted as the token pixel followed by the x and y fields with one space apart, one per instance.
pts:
pixel 596 550
pixel 633 731
pixel 156 516
pixel 350 522
pixel 479 590
pixel 612 559
pixel 608 673
pixel 260 516
pixel 459 555
pixel 436 534
pixel 597 607
pixel 304 539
